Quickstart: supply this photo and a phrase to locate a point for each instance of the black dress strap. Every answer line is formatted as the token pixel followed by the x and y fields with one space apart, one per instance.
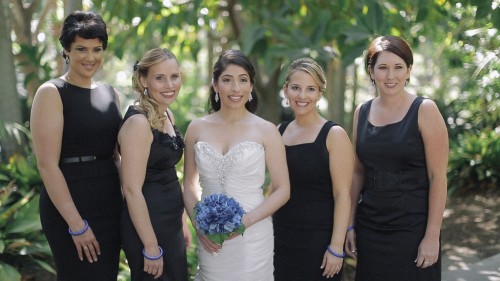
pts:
pixel 323 133
pixel 169 119
pixel 283 126
pixel 326 128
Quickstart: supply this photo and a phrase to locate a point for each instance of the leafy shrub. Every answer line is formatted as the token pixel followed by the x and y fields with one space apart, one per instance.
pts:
pixel 474 161
pixel 473 116
pixel 23 247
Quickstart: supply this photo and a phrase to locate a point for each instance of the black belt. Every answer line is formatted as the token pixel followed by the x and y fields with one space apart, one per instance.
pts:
pixel 384 180
pixel 89 158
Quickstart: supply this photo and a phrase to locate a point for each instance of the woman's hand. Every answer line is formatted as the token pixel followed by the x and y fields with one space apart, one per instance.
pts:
pixel 428 252
pixel 87 244
pixel 236 234
pixel 153 266
pixel 208 244
pixel 331 264
pixel 350 243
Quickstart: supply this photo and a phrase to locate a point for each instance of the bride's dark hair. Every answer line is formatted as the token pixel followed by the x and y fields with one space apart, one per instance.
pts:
pixel 232 57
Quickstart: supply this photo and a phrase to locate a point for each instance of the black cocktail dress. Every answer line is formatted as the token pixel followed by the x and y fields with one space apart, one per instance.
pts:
pixel 91 123
pixel 392 214
pixel 163 195
pixel 303 226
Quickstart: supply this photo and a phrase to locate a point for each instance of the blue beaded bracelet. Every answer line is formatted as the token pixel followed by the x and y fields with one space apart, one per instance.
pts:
pixel 330 250
pixel 152 258
pixel 77 233
pixel 350 227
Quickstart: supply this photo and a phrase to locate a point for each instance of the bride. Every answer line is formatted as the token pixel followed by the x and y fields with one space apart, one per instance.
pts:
pixel 227 152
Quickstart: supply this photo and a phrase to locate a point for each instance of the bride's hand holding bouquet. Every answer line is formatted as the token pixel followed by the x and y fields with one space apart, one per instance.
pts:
pixel 218 218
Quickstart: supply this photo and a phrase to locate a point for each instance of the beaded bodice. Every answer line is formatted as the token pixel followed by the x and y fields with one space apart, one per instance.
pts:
pixel 240 173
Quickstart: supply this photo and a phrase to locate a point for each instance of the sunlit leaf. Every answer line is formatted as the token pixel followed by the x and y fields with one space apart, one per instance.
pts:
pixel 27 218
pixel 8 272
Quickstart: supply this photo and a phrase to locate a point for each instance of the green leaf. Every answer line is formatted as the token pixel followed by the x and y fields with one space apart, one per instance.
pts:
pixel 350 54
pixel 495 19
pixel 250 35
pixel 45 266
pixel 422 14
pixel 241 229
pixel 374 17
pixel 355 34
pixel 6 214
pixel 483 9
pixel 8 272
pixel 218 238
pixel 27 218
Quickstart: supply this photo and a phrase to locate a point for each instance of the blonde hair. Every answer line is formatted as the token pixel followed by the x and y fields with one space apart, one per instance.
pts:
pixel 145 102
pixel 309 66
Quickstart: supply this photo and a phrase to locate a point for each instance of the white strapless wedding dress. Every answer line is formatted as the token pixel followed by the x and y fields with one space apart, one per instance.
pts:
pixel 240 173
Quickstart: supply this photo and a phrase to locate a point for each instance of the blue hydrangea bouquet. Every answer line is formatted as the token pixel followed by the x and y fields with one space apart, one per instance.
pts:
pixel 218 216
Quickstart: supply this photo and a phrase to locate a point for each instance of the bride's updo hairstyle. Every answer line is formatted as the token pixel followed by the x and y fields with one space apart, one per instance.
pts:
pixel 146 103
pixel 232 57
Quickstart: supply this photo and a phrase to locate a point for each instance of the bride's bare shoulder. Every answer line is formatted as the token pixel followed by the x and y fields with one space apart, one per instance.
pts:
pixel 264 126
pixel 258 120
pixel 201 121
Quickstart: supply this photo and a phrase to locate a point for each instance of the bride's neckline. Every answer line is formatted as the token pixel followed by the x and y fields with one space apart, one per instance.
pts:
pixel 230 150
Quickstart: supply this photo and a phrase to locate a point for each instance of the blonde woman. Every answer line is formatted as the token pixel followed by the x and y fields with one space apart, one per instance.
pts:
pixel 310 229
pixel 153 229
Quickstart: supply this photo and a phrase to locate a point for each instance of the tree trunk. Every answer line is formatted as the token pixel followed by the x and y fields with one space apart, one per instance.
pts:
pixel 335 91
pixel 10 103
pixel 354 98
pixel 22 16
pixel 267 91
pixel 72 5
pixel 269 101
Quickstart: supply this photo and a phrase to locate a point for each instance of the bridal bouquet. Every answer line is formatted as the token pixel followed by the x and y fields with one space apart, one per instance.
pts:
pixel 218 216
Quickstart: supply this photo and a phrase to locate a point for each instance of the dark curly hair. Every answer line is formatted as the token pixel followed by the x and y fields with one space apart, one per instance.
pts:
pixel 87 25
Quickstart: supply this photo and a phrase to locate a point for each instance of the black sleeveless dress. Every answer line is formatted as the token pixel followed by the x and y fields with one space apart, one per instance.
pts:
pixel 163 195
pixel 392 213
pixel 91 123
pixel 303 226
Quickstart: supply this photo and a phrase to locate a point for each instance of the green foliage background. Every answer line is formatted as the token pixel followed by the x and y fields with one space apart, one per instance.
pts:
pixel 456 45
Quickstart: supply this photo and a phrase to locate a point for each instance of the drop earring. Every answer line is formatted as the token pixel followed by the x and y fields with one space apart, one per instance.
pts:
pixel 216 97
pixel 250 98
pixel 146 92
pixel 65 57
